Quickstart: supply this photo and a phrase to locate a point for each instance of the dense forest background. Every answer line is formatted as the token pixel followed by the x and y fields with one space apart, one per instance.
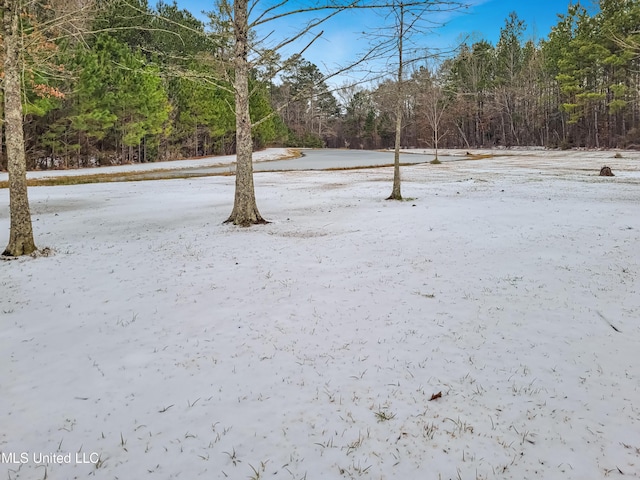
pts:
pixel 154 83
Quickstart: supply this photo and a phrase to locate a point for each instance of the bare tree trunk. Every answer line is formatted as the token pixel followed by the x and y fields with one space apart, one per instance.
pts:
pixel 395 192
pixel 195 140
pixel 504 129
pixel 2 161
pixel 245 210
pixel 595 126
pixel 435 137
pixel 464 137
pixel 21 231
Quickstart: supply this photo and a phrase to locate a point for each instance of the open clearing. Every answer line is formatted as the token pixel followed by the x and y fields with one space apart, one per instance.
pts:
pixel 487 328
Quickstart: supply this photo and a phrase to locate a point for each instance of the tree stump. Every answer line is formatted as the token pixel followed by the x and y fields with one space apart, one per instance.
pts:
pixel 606 172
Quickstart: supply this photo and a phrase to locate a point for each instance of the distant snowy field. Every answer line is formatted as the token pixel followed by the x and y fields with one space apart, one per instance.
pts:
pixel 157 342
pixel 261 156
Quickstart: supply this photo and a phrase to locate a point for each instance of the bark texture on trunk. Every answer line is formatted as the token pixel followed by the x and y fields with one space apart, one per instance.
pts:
pixel 21 232
pixel 245 210
pixel 395 192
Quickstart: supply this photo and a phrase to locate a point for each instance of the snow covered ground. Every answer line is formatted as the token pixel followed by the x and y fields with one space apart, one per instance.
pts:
pixel 218 161
pixel 465 334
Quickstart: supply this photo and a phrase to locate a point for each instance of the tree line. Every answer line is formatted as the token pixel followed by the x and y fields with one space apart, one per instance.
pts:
pixel 152 83
pixel 579 87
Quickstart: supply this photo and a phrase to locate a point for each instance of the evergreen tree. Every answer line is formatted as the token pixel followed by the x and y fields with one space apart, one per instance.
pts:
pixel 120 100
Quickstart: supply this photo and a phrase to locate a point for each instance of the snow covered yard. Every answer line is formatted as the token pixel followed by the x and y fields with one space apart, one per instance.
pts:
pixel 157 342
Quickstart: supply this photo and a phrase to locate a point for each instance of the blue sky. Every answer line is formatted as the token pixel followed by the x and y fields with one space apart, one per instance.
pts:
pixel 483 19
pixel 483 16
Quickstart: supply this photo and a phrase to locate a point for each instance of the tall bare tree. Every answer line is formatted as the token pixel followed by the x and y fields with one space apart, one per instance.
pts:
pixel 432 104
pixel 45 24
pixel 245 209
pixel 248 54
pixel 399 13
pixel 406 21
pixel 21 231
